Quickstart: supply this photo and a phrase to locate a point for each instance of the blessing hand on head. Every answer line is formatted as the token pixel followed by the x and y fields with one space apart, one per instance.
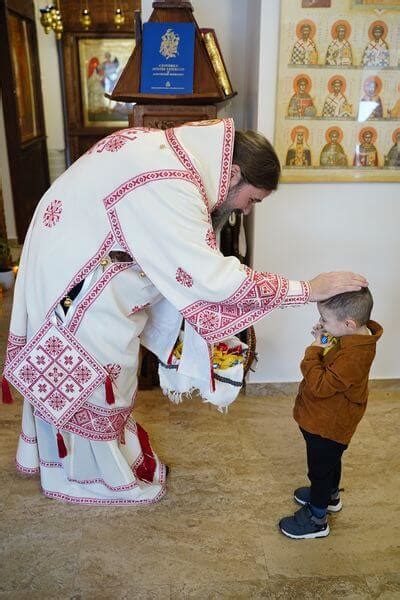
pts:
pixel 326 285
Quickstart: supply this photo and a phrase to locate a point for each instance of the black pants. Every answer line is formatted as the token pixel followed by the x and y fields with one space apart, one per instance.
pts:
pixel 324 460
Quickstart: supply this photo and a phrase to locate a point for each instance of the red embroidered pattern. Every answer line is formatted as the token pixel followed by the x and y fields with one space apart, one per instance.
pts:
pixel 143 179
pixel 86 269
pixel 50 464
pixel 27 439
pixel 138 308
pixel 227 153
pixel 113 370
pixel 254 298
pixel 55 373
pixel 115 141
pixel 15 344
pixel 112 502
pixel 119 488
pixel 130 186
pixel 26 470
pixel 184 158
pixel 183 278
pixel 98 423
pixel 79 500
pixel 117 229
pixel 211 240
pixel 99 286
pixel 52 214
pixel 300 298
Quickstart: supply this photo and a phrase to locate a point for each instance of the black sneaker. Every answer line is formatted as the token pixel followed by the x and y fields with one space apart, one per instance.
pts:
pixel 303 496
pixel 303 525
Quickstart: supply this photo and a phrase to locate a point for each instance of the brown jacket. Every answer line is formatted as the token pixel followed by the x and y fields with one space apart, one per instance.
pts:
pixel 333 395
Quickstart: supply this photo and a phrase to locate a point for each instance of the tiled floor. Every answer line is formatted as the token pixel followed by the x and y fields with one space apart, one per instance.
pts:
pixel 214 536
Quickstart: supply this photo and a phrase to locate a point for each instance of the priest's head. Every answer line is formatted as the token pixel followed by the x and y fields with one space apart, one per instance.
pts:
pixel 255 174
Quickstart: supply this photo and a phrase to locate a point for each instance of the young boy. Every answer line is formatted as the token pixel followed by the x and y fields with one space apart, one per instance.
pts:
pixel 331 401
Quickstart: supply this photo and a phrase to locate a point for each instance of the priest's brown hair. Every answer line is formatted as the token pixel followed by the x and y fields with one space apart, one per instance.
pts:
pixel 257 160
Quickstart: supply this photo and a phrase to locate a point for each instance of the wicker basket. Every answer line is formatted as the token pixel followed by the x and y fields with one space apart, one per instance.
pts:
pixel 251 352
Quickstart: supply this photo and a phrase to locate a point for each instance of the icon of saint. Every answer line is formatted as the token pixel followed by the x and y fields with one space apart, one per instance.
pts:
pixel 336 105
pixel 339 53
pixel 370 106
pixel 366 154
pixel 376 53
pixel 392 159
pixel 305 49
pixel 299 153
pixel 301 104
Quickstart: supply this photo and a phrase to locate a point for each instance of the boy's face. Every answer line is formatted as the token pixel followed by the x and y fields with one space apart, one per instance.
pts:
pixel 331 324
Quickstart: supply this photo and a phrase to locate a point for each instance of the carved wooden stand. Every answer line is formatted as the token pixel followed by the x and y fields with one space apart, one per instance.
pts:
pixel 168 110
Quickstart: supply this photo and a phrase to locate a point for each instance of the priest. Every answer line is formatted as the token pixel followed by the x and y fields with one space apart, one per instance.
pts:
pixel 120 251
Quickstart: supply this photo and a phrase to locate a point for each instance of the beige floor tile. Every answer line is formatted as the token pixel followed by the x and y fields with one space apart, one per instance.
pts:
pixel 306 558
pixel 38 561
pixel 215 533
pixel 164 548
pixel 384 587
pixel 319 588
pixel 231 590
pixel 127 590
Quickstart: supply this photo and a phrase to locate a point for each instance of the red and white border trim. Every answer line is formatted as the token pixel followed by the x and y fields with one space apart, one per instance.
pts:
pixel 26 470
pixel 226 161
pixel 253 299
pixel 143 179
pixel 98 423
pixel 102 502
pixel 99 286
pixel 15 344
pixel 299 298
pixel 27 439
pixel 184 159
pixel 86 269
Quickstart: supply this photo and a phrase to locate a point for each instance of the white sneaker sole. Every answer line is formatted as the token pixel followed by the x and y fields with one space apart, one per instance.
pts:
pixel 331 508
pixel 317 534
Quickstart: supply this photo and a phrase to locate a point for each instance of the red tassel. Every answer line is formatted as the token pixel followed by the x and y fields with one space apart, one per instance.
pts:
pixel 6 393
pixel 212 380
pixel 170 357
pixel 109 391
pixel 62 449
pixel 145 471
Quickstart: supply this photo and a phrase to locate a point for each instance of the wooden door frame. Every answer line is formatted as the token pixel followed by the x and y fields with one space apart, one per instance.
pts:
pixel 24 9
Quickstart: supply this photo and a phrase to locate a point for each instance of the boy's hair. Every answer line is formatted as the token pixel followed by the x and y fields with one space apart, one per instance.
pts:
pixel 351 305
pixel 257 160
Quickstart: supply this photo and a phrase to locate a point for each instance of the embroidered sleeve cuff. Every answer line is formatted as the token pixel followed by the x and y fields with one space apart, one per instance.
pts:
pixel 298 293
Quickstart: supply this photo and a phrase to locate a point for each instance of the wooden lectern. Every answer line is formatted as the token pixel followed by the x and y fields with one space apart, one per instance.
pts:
pixel 166 110
pixel 163 111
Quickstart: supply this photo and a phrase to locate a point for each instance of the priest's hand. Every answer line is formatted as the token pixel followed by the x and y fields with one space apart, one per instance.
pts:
pixel 327 285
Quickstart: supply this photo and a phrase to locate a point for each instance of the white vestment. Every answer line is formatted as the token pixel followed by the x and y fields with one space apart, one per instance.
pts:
pixel 149 194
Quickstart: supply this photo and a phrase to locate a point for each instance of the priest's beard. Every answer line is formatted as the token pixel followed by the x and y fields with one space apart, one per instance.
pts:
pixel 220 215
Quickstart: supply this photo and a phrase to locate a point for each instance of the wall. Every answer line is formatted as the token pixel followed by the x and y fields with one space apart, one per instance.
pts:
pixel 51 92
pixel 304 229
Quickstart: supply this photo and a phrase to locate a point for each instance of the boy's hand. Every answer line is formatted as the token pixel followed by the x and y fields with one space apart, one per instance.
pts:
pixel 318 341
pixel 317 330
